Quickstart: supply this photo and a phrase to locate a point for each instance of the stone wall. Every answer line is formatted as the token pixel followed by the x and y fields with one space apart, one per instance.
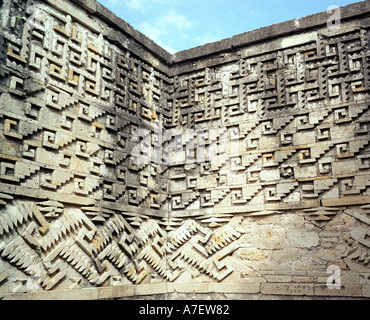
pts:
pixel 237 168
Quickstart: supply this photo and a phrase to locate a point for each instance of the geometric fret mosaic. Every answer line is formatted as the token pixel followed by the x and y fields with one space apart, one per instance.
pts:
pixel 243 165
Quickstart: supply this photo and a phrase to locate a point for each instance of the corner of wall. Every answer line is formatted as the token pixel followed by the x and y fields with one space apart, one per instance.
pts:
pixel 240 167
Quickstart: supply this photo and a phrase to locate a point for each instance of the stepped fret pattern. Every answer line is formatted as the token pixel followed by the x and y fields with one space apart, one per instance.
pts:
pixel 244 165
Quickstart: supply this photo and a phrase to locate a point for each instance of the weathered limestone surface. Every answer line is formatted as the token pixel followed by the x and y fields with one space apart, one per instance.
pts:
pixel 240 167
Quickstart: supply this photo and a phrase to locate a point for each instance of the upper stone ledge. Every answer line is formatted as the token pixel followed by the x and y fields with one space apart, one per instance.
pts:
pixel 271 32
pixel 93 7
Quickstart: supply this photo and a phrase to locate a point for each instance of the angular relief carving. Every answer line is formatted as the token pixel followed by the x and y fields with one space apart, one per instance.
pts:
pixel 226 145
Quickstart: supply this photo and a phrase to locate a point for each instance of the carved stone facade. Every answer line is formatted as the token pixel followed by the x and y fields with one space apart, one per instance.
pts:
pixel 239 167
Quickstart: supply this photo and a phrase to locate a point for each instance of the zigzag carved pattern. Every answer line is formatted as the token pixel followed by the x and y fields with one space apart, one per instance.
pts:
pixel 33 243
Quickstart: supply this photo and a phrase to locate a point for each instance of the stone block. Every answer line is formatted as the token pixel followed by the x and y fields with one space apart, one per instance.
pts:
pixel 287 289
pixel 288 254
pixel 116 292
pixel 344 167
pixel 303 239
pixel 270 175
pixel 366 291
pixel 269 238
pixel 305 172
pixel 188 287
pixel 79 294
pixel 303 279
pixel 149 289
pixel 345 291
pixel 304 138
pixel 252 254
pixel 247 132
pixel 251 288
pixel 278 278
pixel 329 255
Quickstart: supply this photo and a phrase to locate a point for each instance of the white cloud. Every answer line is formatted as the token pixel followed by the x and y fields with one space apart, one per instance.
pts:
pixel 144 5
pixel 137 4
pixel 173 19
pixel 167 48
pixel 168 23
pixel 150 31
pixel 155 34
pixel 112 3
pixel 165 24
pixel 206 38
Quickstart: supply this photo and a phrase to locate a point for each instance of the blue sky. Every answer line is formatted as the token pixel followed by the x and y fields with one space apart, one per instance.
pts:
pixel 183 24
